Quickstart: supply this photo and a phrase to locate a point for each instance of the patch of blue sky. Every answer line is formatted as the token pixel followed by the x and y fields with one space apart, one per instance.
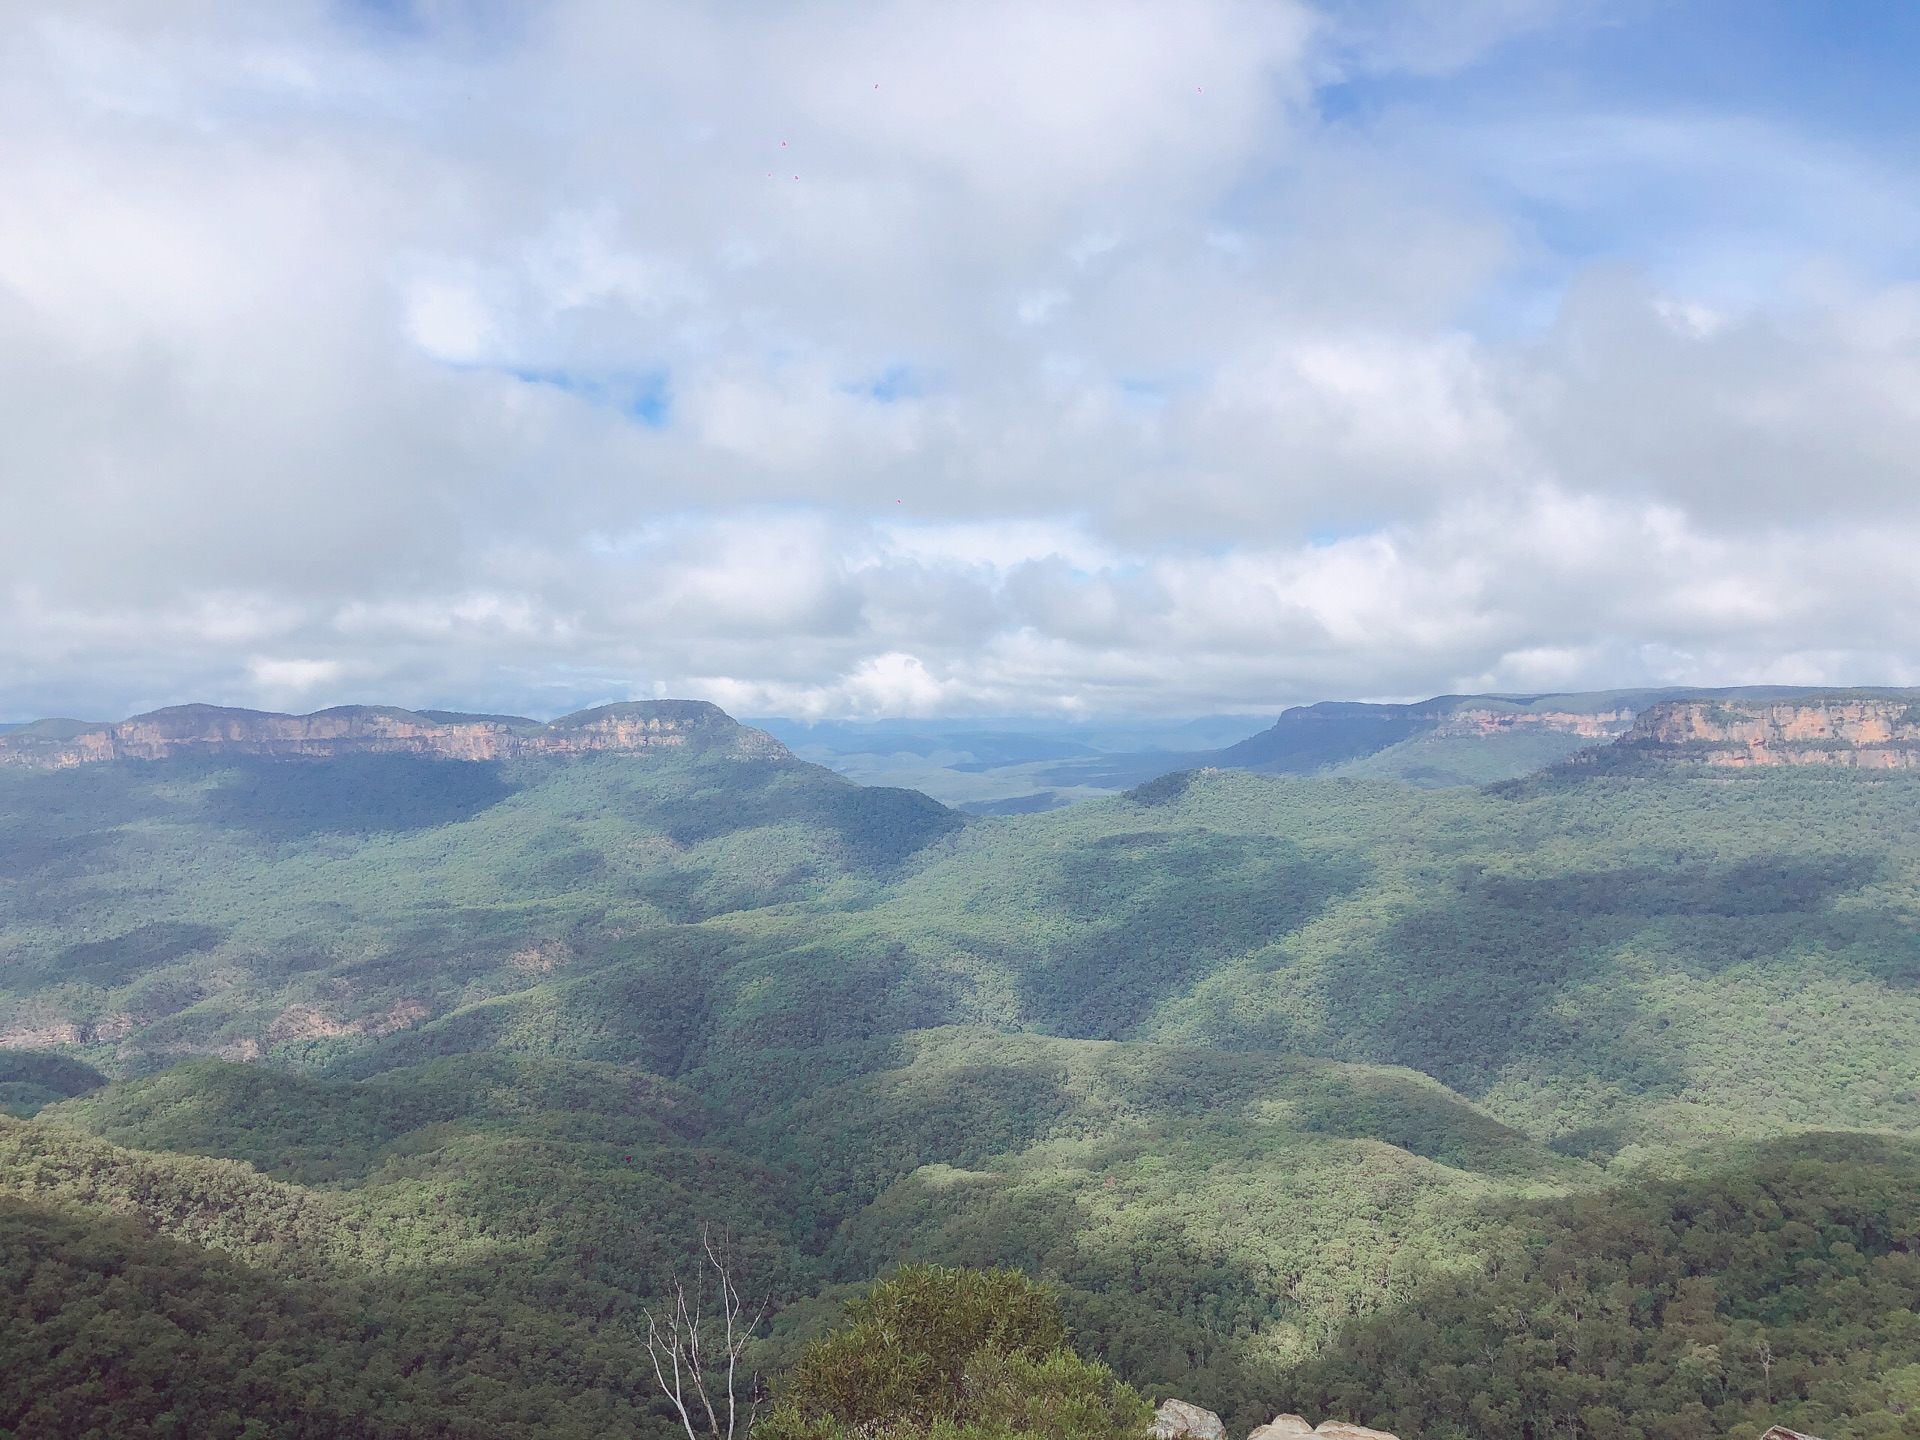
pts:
pixel 1841 69
pixel 1081 577
pixel 671 528
pixel 1149 394
pixel 447 31
pixel 1719 145
pixel 1662 191
pixel 422 17
pixel 645 397
pixel 397 15
pixel 895 383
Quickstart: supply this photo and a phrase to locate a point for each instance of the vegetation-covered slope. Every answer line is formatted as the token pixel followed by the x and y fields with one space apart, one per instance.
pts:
pixel 1782 1290
pixel 300 909
pixel 1134 1177
pixel 488 1227
pixel 107 1331
pixel 1235 1061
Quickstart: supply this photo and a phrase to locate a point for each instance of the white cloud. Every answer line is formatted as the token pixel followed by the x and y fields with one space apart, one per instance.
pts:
pixel 450 322
pixel 294 679
pixel 1081 367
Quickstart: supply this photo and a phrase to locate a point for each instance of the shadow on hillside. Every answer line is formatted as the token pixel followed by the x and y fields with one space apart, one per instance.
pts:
pixel 1709 1305
pixel 876 825
pixel 1161 910
pixel 114 962
pixel 1460 988
pixel 349 795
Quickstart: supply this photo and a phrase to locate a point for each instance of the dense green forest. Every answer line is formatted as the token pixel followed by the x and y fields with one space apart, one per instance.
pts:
pixel 1783 1289
pixel 1295 1092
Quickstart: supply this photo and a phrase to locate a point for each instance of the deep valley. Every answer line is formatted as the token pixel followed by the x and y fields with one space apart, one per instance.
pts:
pixel 409 1082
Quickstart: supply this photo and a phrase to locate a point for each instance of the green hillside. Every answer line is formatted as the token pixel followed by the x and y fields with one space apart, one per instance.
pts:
pixel 112 1332
pixel 1783 1289
pixel 1240 1064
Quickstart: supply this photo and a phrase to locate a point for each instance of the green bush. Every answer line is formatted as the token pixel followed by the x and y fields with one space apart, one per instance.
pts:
pixel 954 1354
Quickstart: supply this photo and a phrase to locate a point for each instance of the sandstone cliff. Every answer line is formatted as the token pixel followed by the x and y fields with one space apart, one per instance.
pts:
pixel 645 725
pixel 1866 730
pixel 1480 721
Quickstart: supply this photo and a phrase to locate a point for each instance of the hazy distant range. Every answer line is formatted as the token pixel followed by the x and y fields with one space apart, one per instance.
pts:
pixel 1017 766
pixel 1021 765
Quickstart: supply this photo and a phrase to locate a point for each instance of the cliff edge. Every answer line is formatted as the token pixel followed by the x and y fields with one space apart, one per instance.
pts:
pixel 641 725
pixel 1307 738
pixel 1858 729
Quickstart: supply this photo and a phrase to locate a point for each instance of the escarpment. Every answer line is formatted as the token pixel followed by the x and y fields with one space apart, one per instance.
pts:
pixel 1480 721
pixel 1864 730
pixel 374 729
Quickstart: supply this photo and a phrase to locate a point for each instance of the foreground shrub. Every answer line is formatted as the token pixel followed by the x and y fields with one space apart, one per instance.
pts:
pixel 952 1354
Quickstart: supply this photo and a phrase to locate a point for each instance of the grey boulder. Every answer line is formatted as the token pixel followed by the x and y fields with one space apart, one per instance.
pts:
pixel 1177 1420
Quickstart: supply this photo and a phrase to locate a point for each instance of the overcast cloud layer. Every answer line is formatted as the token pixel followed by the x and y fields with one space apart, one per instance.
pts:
pixel 903 358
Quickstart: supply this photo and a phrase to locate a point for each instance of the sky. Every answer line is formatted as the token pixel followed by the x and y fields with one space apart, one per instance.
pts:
pixel 901 358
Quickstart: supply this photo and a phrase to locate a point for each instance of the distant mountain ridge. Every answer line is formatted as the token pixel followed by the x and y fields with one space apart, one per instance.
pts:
pixel 1449 739
pixel 1746 726
pixel 380 729
pixel 1309 737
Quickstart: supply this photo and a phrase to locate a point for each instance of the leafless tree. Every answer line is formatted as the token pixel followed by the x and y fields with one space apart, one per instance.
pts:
pixel 696 1341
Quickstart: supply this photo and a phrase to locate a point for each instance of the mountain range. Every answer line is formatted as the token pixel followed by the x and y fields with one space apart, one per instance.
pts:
pixel 1449 740
pixel 408 1082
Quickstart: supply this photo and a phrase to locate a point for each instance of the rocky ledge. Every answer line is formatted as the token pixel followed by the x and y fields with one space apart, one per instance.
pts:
pixel 643 725
pixel 1180 1420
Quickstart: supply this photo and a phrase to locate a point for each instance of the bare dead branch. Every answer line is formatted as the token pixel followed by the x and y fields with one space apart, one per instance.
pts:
pixel 701 1381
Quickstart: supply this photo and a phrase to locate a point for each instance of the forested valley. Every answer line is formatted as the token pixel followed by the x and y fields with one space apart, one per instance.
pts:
pixel 390 1096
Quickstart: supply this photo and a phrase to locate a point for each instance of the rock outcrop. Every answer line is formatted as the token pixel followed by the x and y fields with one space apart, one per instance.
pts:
pixel 1293 1427
pixel 1181 1420
pixel 1860 730
pixel 1343 1430
pixel 644 725
pixel 1177 1420
pixel 1282 1427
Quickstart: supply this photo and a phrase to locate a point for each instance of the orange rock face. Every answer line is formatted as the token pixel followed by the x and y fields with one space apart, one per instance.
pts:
pixel 367 729
pixel 1861 732
pixel 1595 725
